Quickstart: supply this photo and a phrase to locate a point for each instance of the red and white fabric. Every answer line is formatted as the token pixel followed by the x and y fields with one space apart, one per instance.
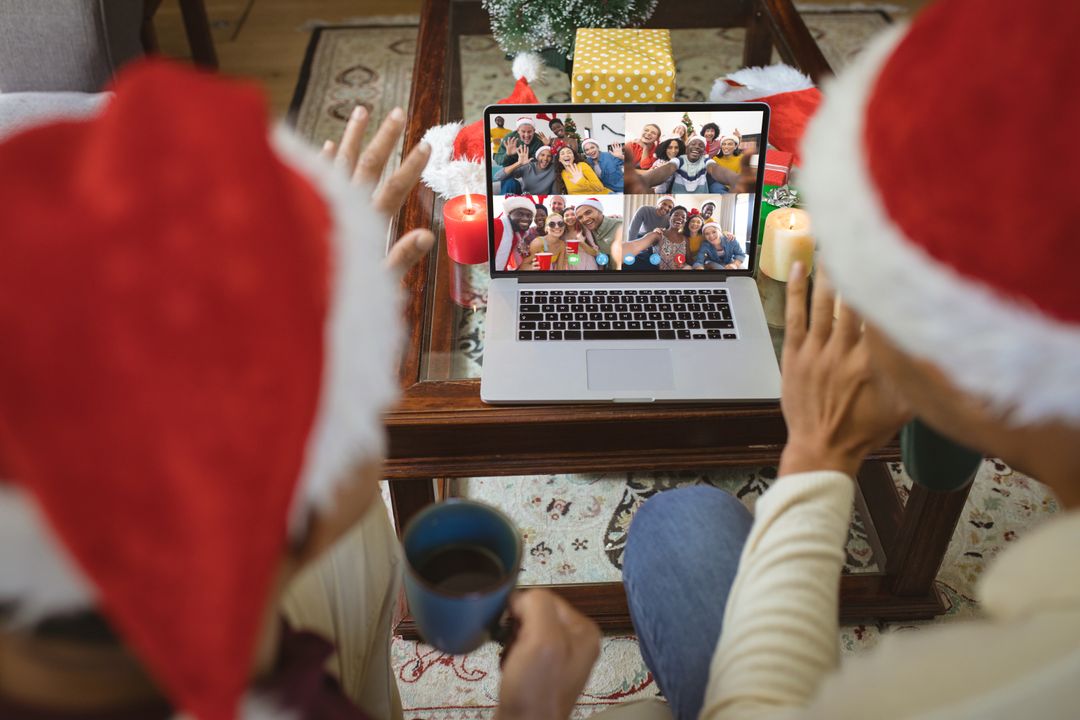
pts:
pixel 974 273
pixel 188 300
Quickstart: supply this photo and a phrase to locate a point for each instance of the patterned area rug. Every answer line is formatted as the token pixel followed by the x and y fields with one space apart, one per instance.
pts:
pixel 575 525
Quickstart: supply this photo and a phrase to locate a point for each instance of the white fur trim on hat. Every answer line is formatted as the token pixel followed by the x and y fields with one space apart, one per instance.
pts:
pixel 518 202
pixel 541 149
pixel 711 221
pixel 1019 360
pixel 590 202
pixel 757 82
pixel 359 381
pixel 446 176
pixel 588 140
pixel 36 570
pixel 662 198
pixel 697 137
pixel 359 377
pixel 525 121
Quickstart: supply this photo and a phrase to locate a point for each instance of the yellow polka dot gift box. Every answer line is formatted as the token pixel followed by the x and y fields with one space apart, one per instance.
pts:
pixel 618 66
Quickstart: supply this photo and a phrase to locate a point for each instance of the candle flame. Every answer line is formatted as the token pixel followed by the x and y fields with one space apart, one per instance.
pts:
pixel 791 222
pixel 468 203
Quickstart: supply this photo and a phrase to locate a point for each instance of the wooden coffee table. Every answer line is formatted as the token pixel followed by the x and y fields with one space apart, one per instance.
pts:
pixel 442 430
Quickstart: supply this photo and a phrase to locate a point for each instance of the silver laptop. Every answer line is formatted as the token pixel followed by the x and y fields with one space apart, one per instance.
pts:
pixel 600 294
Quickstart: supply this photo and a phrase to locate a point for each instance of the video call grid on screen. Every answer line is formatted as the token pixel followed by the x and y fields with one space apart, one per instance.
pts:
pixel 709 222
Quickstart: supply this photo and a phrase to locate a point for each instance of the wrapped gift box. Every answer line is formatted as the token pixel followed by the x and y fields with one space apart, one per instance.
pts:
pixel 622 66
pixel 777 167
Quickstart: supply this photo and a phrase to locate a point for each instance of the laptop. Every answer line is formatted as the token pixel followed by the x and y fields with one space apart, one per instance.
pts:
pixel 602 295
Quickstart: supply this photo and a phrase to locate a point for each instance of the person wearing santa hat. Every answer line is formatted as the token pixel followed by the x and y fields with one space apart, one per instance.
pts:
pixel 719 251
pixel 608 166
pixel 197 352
pixel 694 173
pixel 602 232
pixel 985 352
pixel 524 134
pixel 729 153
pixel 647 219
pixel 711 132
pixel 511 228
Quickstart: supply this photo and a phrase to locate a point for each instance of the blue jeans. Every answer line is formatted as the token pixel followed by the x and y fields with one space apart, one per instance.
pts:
pixel 680 560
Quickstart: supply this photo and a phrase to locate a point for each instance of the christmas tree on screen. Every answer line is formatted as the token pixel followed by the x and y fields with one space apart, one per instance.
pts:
pixel 688 123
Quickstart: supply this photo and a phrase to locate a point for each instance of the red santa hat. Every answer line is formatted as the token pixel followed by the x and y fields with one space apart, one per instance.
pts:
pixel 188 302
pixel 456 165
pixel 791 96
pixel 975 275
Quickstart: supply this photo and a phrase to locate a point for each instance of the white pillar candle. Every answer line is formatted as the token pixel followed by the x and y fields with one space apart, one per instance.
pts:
pixel 787 239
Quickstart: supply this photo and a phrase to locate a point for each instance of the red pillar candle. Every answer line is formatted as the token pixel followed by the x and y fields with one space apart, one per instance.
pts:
pixel 465 220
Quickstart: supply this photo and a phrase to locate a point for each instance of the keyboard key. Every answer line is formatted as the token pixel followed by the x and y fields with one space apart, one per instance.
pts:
pixel 570 293
pixel 562 308
pixel 620 335
pixel 678 324
pixel 618 325
pixel 524 335
pixel 558 325
pixel 551 316
pixel 547 308
pixel 714 334
pixel 545 325
pixel 635 307
pixel 700 336
pixel 648 324
pixel 699 315
pixel 713 316
pixel 683 316
pixel 525 317
pixel 663 324
pixel 693 307
pixel 588 325
pixel 575 325
pixel 529 308
pixel 572 335
pixel 665 307
pixel 621 308
pixel 554 335
pixel 527 326
pixel 649 307
pixel 719 324
pixel 679 307
pixel 603 325
pixel 682 334
pixel 693 324
pixel 577 308
pixel 581 316
pixel 633 325
pixel 666 334
pixel 596 316
pixel 611 316
pixel 566 316
pixel 540 335
pixel 730 336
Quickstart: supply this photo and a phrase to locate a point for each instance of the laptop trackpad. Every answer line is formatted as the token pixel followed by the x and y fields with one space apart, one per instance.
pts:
pixel 623 370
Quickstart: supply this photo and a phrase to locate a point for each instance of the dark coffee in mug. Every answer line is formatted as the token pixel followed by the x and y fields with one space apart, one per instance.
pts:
pixel 462 569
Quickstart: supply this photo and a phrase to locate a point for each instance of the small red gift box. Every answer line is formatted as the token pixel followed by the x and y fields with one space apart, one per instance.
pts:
pixel 777 167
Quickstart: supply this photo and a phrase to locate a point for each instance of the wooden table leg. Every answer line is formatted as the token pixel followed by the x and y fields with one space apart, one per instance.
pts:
pixel 408 497
pixel 930 518
pixel 757 50
pixel 197 28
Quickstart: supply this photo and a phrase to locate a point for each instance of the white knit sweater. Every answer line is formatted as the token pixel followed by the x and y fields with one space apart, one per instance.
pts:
pixel 777 657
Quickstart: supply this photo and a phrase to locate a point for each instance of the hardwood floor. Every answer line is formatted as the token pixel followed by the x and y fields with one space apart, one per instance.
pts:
pixel 265 39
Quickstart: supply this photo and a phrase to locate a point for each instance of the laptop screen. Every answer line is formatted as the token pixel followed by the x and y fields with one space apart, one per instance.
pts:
pixel 564 199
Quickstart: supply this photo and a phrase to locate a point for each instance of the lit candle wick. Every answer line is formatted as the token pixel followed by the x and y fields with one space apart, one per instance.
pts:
pixel 791 223
pixel 468 203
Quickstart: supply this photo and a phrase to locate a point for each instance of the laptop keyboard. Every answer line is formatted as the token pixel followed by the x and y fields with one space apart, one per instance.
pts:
pixel 676 314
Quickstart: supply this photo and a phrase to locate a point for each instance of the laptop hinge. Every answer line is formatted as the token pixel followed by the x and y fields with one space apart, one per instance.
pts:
pixel 615 277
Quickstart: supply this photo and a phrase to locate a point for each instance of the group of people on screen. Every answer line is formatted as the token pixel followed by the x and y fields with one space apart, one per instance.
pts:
pixel 527 160
pixel 551 234
pixel 669 236
pixel 686 162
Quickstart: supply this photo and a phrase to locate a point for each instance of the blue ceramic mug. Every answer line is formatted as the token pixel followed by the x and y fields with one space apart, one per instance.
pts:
pixel 462 560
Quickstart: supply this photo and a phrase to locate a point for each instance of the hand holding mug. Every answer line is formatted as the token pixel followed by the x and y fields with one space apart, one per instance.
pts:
pixel 548 664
